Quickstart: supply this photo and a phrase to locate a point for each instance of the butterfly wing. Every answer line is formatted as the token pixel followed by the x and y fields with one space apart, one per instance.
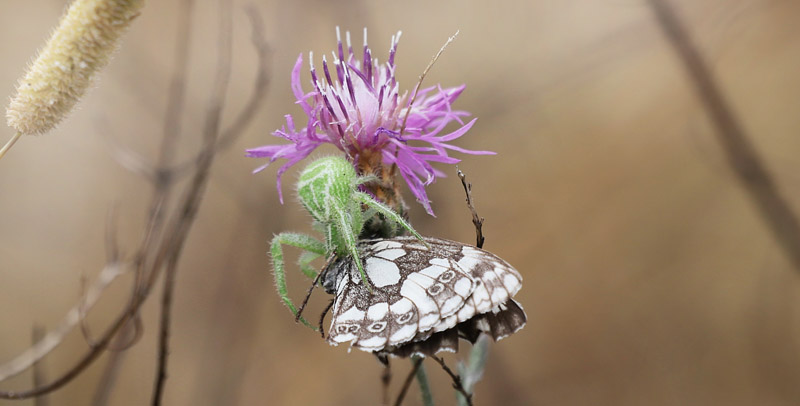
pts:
pixel 497 282
pixel 417 291
pixel 413 286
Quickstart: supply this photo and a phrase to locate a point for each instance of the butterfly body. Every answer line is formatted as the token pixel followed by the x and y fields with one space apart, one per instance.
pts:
pixel 423 296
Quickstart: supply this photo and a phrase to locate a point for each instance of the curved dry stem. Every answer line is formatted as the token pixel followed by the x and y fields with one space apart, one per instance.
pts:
pixel 416 364
pixel 477 220
pixel 155 253
pixel 750 169
pixel 192 204
pixel 457 383
pixel 137 163
pixel 260 85
pixel 73 318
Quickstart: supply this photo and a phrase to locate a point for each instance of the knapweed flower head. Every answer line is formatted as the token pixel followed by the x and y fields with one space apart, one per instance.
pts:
pixel 356 105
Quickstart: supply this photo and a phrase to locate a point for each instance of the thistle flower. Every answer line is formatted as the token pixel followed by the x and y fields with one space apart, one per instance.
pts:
pixel 82 44
pixel 360 110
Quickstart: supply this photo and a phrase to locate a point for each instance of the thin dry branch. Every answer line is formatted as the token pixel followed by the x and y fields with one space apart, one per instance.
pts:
pixel 81 364
pixel 742 156
pixel 457 384
pixel 131 332
pixel 50 341
pixel 111 370
pixel 476 219
pixel 176 97
pixel 87 334
pixel 210 134
pixel 407 383
pixel 155 254
pixel 39 374
pixel 386 380
pixel 228 136
pixel 416 91
pixel 258 39
pixel 171 247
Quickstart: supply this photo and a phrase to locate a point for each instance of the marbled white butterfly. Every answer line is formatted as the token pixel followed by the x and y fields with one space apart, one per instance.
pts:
pixel 423 298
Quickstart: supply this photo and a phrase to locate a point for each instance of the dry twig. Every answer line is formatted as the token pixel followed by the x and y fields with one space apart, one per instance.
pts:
pixel 162 244
pixel 39 375
pixel 210 133
pixel 476 220
pixel 456 380
pixel 407 383
pixel 51 340
pixel 741 154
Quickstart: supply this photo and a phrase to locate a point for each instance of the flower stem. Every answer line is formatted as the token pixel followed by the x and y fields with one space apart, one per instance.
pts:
pixel 472 372
pixel 10 144
pixel 424 385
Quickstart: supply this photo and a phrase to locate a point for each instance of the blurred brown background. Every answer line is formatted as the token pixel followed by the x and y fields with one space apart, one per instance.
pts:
pixel 650 277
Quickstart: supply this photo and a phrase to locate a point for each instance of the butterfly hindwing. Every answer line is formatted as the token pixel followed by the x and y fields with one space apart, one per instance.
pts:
pixel 499 280
pixel 496 282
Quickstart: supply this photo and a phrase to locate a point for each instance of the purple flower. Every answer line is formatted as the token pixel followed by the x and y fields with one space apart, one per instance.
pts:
pixel 356 106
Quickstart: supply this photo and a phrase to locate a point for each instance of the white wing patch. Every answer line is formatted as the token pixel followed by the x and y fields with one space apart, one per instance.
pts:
pixel 381 272
pixel 378 311
pixel 351 314
pixel 386 244
pixel 433 271
pixel 463 287
pixel 405 325
pixel 390 254
pixel 427 310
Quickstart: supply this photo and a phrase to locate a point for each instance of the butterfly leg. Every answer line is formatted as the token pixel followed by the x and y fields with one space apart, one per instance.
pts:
pixel 302 241
pixel 322 317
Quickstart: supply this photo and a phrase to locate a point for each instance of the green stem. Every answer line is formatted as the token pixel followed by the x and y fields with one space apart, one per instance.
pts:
pixel 473 371
pixel 424 385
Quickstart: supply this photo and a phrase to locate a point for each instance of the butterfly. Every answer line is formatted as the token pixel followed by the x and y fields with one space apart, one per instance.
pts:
pixel 421 299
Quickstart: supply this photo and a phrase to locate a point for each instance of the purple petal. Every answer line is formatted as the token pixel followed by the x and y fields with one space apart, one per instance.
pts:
pixel 414 184
pixel 362 77
pixel 272 152
pixel 295 159
pixel 468 151
pixel 297 87
pixel 458 133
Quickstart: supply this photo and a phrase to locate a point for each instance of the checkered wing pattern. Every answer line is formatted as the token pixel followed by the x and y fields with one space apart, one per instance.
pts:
pixel 417 291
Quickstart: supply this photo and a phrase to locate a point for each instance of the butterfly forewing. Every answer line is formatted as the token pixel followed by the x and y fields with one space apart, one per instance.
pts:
pixel 416 290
